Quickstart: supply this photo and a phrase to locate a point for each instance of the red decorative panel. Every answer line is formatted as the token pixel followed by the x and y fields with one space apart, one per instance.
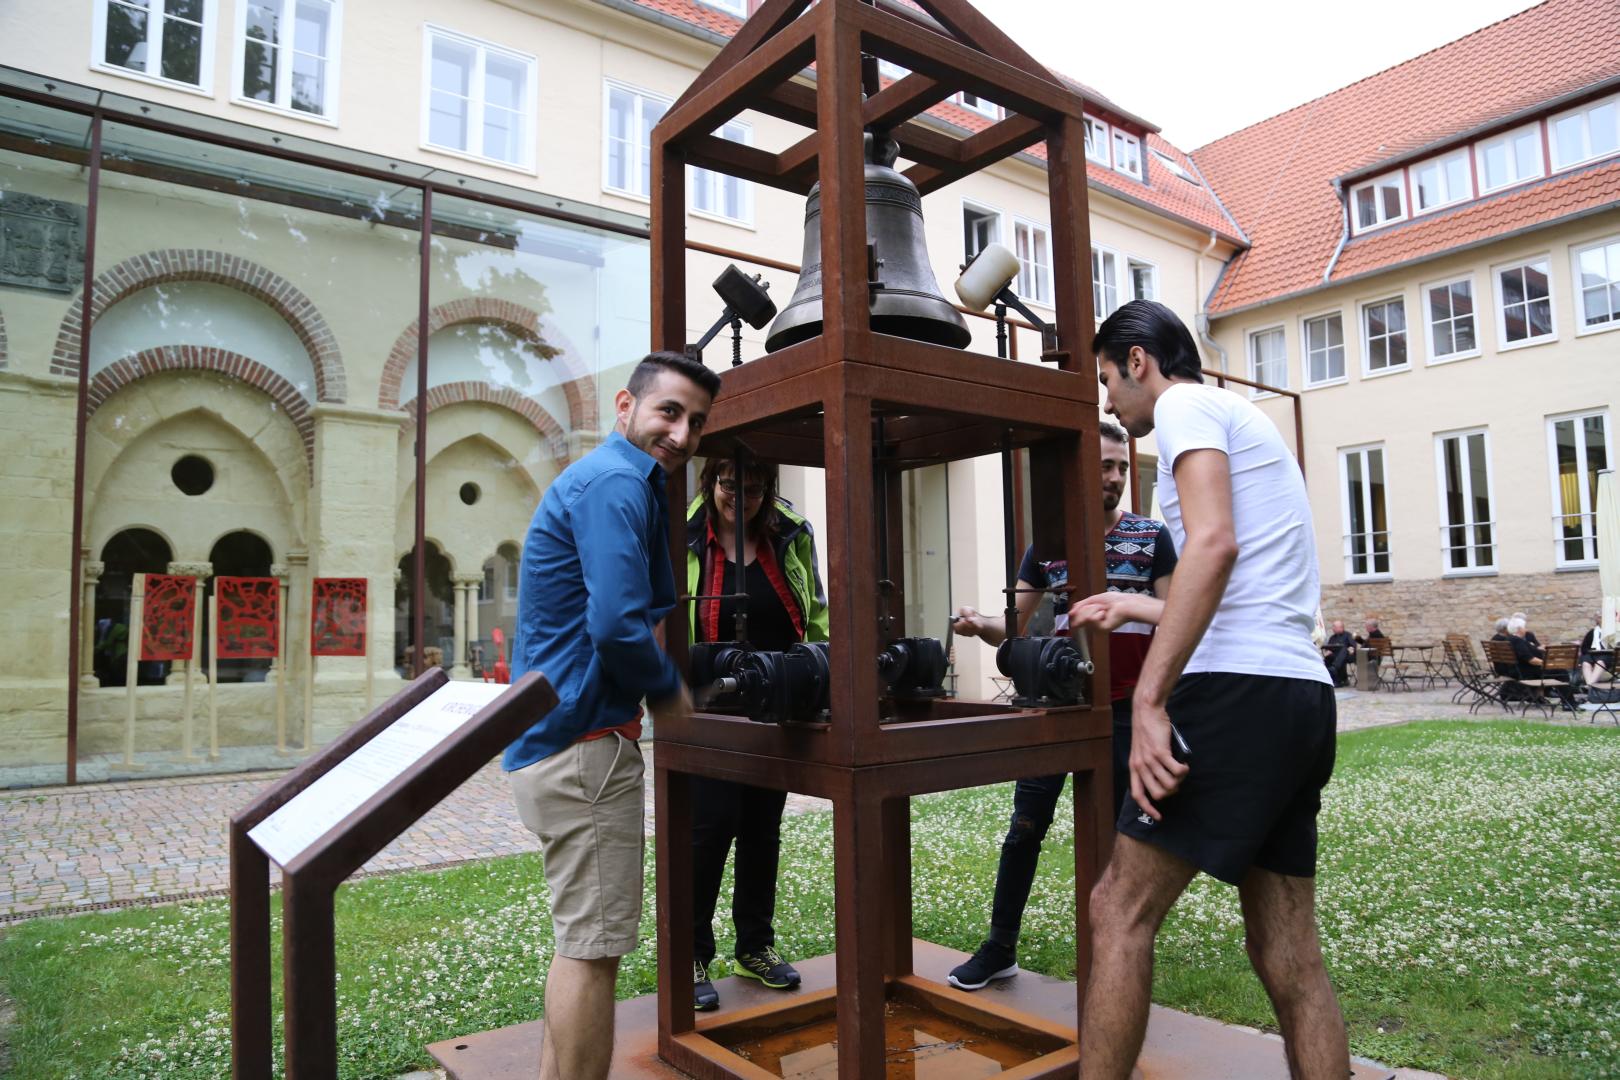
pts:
pixel 249 616
pixel 337 617
pixel 167 617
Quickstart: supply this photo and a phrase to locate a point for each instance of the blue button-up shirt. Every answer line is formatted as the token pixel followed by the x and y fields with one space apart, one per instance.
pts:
pixel 596 579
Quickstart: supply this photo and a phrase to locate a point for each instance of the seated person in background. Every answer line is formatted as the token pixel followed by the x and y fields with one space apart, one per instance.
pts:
pixel 1337 652
pixel 1595 670
pixel 1369 630
pixel 1529 634
pixel 1528 658
pixel 1501 628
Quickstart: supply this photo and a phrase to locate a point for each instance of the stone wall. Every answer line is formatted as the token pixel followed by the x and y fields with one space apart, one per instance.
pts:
pixel 1560 606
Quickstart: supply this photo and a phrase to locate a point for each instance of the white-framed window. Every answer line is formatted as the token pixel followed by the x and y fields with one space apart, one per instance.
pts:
pixel 1524 314
pixel 1383 334
pixel 720 195
pixel 1584 134
pixel 1597 285
pixel 1451 322
pixel 1144 280
pixel 1104 282
pixel 287 53
pixel 1268 359
pixel 1097 140
pixel 166 41
pixel 975 103
pixel 1577 450
pixel 1441 181
pixel 1033 245
pixel 1510 158
pixel 627 150
pixel 480 98
pixel 1173 167
pixel 1323 339
pixel 1366 522
pixel 1378 202
pixel 1467 530
pixel 738 8
pixel 1127 153
pixel 981 227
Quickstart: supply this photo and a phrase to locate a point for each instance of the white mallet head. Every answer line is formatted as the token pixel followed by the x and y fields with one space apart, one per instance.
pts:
pixel 989 272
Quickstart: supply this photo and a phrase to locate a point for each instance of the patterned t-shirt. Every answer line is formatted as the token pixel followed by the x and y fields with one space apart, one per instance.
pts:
pixel 1137 552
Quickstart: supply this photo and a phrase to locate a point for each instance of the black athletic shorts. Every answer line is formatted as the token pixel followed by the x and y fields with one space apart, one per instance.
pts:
pixel 1260 750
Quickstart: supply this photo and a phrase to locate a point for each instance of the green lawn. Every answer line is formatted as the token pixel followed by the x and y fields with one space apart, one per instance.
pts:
pixel 1470 908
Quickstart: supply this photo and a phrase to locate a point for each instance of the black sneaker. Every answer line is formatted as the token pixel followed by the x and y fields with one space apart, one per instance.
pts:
pixel 768 967
pixel 990 963
pixel 705 998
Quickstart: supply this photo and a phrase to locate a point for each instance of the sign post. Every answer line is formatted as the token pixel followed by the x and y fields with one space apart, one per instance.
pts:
pixel 323 821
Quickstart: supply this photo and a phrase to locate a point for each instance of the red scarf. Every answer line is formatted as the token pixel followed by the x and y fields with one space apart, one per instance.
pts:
pixel 714 580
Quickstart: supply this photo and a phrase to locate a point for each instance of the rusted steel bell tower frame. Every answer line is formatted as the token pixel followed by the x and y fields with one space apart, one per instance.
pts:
pixel 866 406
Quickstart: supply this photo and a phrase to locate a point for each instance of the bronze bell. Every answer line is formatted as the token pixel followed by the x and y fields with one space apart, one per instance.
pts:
pixel 907 302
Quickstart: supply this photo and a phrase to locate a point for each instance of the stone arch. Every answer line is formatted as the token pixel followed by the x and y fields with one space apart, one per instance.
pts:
pixel 120 373
pixel 522 322
pixel 556 439
pixel 220 268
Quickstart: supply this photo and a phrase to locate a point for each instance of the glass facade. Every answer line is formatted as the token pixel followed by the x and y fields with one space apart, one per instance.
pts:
pixel 250 429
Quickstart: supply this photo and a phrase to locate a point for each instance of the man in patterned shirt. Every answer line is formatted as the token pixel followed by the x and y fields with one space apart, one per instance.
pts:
pixel 1139 556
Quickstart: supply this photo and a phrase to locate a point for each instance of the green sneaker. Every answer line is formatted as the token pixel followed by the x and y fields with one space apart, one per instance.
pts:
pixel 768 967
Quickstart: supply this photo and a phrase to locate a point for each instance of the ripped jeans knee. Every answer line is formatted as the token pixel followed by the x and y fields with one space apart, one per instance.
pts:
pixel 1025 831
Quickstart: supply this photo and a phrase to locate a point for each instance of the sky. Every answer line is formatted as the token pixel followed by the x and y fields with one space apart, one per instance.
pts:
pixel 1244 60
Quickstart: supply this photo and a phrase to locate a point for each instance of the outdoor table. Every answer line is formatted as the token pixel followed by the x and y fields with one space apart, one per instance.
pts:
pixel 1420 656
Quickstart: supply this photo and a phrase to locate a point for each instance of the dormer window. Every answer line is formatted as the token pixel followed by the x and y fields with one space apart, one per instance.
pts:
pixel 1510 158
pixel 1127 153
pixel 975 103
pixel 1097 140
pixel 738 8
pixel 1583 134
pixel 1378 202
pixel 1441 181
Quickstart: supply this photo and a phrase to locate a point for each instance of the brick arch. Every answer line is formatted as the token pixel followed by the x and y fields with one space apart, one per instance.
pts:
pixel 218 268
pixel 522 322
pixel 555 438
pixel 120 373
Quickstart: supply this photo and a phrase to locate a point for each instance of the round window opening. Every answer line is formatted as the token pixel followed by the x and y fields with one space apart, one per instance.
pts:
pixel 192 474
pixel 470 493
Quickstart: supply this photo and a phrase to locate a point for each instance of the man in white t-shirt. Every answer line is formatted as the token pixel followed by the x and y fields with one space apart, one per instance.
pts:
pixel 1233 715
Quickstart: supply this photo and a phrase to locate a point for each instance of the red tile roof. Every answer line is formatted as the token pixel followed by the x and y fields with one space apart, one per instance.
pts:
pixel 1163 192
pixel 1276 176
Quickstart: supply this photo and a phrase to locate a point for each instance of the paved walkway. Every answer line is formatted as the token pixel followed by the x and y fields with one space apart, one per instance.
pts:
pixel 100 845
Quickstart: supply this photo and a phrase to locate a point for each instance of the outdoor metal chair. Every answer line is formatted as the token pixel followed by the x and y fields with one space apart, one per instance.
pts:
pixel 1525 685
pixel 1389 671
pixel 1473 681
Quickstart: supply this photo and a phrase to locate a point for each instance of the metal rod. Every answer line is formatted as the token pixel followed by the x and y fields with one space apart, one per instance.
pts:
pixel 419 563
pixel 739 511
pixel 80 420
pixel 1009 542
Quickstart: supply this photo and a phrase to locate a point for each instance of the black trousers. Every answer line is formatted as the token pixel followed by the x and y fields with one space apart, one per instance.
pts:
pixel 1034 803
pixel 1337 660
pixel 723 811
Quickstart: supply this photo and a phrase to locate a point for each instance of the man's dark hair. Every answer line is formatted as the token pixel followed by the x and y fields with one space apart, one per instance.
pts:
pixel 1113 432
pixel 679 363
pixel 1158 331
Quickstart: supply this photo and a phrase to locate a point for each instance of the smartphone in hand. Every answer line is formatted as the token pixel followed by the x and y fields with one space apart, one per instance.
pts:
pixel 1178 746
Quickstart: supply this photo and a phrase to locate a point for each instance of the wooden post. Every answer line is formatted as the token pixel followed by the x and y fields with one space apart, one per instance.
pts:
pixel 282 667
pixel 132 664
pixel 213 676
pixel 309 705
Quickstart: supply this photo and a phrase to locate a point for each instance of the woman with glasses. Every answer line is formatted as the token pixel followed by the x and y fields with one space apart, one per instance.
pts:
pixel 786 604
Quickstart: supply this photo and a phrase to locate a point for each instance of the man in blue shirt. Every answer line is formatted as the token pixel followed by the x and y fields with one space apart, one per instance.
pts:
pixel 596 580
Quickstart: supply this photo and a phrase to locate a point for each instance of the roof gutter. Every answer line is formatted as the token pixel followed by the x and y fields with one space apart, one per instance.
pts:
pixel 642 11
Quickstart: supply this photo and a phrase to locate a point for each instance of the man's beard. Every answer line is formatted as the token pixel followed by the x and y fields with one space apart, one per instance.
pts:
pixel 1110 500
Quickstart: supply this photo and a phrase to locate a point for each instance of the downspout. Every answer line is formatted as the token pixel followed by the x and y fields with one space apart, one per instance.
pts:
pixel 1344 232
pixel 1203 302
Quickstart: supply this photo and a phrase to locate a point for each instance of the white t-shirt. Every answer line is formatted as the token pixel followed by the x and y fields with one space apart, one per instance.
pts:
pixel 1264 621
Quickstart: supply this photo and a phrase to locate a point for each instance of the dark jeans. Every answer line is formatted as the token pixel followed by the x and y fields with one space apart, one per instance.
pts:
pixel 723 811
pixel 1337 660
pixel 1034 803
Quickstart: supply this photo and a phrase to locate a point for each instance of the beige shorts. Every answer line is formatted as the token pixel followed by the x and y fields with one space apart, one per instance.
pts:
pixel 585 803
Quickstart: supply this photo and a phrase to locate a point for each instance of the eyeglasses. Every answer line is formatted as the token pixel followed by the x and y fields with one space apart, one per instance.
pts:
pixel 750 491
